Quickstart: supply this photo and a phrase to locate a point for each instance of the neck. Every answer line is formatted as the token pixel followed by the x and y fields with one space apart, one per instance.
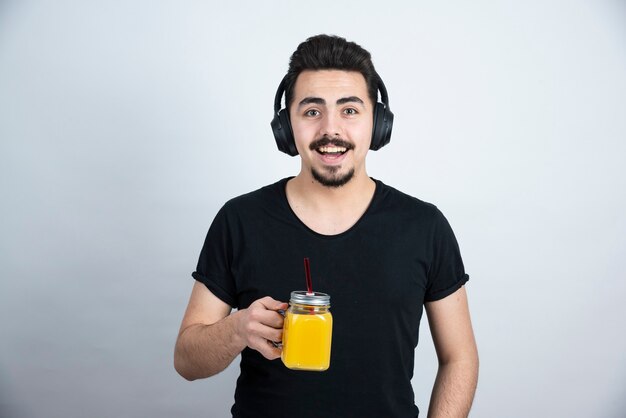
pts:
pixel 359 188
pixel 329 210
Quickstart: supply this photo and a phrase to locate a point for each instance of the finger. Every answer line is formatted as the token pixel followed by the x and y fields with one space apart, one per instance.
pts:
pixel 272 304
pixel 267 349
pixel 275 335
pixel 266 333
pixel 266 317
pixel 275 320
pixel 268 311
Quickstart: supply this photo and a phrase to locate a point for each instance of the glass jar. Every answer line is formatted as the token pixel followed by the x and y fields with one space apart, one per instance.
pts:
pixel 307 332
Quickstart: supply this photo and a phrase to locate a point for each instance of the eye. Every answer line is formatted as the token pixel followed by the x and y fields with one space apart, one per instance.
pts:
pixel 312 112
pixel 350 111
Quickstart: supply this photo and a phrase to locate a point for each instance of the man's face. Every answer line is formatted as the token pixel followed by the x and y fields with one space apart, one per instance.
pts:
pixel 332 119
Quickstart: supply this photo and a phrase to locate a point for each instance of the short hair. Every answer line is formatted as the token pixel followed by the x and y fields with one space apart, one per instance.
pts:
pixel 330 52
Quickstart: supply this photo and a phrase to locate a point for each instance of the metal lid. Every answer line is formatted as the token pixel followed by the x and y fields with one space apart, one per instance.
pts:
pixel 314 299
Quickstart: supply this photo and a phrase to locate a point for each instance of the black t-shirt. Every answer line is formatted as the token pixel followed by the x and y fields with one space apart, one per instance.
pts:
pixel 400 254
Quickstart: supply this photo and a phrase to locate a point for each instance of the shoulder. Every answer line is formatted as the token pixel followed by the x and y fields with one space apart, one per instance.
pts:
pixel 395 200
pixel 267 195
pixel 244 211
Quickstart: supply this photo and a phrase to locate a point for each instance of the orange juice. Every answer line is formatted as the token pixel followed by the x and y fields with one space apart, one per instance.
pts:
pixel 307 332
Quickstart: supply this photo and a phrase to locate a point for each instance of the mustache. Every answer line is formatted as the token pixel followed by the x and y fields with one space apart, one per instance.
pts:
pixel 325 141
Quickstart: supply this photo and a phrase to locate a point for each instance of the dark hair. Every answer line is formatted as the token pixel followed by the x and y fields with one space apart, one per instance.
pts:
pixel 330 52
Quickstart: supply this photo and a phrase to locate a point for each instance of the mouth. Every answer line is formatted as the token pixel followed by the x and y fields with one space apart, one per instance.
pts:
pixel 331 151
pixel 331 148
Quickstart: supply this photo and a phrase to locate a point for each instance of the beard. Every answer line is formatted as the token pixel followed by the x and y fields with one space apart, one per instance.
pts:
pixel 332 179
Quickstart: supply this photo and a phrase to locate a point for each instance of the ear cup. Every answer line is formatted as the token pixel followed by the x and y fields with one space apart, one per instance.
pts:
pixel 383 122
pixel 281 126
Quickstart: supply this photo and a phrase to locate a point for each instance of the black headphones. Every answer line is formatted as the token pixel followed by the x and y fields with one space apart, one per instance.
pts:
pixel 381 132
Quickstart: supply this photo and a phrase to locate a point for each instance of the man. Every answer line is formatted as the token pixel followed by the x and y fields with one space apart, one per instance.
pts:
pixel 381 255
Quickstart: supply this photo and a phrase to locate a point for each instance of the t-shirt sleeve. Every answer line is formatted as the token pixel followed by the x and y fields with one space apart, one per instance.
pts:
pixel 214 263
pixel 446 273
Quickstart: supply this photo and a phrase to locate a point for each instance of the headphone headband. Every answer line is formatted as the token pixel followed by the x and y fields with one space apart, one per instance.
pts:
pixel 279 95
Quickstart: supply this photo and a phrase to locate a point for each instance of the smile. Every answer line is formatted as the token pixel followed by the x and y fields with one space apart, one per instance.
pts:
pixel 328 150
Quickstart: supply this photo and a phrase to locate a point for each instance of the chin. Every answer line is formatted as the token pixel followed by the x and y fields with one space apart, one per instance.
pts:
pixel 333 180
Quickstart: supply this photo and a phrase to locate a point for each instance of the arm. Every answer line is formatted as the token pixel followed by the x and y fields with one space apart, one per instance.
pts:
pixel 457 376
pixel 210 337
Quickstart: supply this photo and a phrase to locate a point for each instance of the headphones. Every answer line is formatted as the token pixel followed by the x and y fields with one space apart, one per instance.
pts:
pixel 281 126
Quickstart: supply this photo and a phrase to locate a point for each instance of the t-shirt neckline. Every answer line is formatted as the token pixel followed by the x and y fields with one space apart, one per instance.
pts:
pixel 283 193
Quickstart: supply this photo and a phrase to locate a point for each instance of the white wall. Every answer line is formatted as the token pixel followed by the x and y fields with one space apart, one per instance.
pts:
pixel 125 125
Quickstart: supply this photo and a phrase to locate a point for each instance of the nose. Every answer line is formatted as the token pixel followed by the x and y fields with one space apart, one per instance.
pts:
pixel 331 125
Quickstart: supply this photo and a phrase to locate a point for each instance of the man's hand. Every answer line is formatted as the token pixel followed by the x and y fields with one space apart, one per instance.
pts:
pixel 210 337
pixel 260 324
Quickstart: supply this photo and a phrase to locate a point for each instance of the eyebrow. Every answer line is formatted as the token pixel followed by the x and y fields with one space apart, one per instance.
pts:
pixel 320 101
pixel 311 100
pixel 350 99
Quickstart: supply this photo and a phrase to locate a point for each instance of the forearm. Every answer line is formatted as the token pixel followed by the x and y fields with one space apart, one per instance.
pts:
pixel 205 350
pixel 454 389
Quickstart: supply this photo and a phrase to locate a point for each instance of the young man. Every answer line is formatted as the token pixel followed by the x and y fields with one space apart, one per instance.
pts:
pixel 381 255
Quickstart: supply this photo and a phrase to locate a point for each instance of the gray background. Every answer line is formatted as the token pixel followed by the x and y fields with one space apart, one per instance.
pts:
pixel 124 127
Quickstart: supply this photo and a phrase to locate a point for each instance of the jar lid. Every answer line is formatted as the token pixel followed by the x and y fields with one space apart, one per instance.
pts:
pixel 315 298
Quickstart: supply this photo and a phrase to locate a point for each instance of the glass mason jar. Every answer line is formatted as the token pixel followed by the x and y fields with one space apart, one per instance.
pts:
pixel 307 332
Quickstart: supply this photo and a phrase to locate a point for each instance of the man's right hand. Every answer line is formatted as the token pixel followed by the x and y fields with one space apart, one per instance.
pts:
pixel 260 324
pixel 210 337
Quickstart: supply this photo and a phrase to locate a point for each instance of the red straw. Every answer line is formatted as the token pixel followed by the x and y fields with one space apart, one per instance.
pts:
pixel 307 271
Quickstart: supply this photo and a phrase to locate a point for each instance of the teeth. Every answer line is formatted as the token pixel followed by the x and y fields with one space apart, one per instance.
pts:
pixel 332 149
